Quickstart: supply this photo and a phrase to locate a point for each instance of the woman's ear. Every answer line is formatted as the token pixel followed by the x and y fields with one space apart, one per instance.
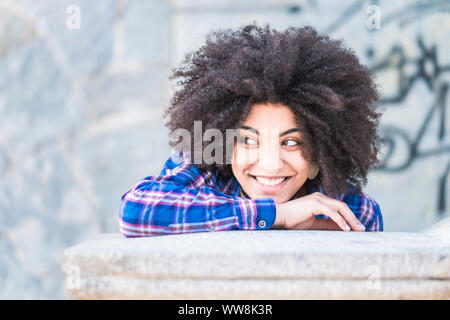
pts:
pixel 313 171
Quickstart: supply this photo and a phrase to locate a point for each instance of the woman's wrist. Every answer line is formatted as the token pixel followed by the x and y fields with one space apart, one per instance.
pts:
pixel 279 216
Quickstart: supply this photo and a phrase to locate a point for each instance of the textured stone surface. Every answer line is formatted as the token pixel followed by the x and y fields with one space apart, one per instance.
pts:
pixel 262 264
pixel 261 289
pixel 81 118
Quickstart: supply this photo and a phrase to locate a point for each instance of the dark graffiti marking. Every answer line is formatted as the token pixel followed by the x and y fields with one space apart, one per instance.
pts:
pixel 425 68
pixel 428 70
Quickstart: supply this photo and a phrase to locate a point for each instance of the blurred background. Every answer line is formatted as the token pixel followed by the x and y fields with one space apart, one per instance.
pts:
pixel 83 85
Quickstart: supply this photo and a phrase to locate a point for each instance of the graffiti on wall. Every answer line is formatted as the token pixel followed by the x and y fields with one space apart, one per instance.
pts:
pixel 431 72
pixel 427 69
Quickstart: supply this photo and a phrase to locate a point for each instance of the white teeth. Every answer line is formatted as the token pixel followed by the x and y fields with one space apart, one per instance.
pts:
pixel 269 182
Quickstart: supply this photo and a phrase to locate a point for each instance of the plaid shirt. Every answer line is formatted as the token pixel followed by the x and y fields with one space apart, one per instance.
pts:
pixel 184 198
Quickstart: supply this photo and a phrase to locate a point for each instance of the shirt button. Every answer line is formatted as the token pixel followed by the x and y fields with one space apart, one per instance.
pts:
pixel 262 224
pixel 212 228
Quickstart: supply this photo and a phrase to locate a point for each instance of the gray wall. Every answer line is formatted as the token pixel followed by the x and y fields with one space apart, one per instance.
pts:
pixel 81 111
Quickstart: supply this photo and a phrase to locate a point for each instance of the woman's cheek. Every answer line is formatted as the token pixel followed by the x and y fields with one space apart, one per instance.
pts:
pixel 245 156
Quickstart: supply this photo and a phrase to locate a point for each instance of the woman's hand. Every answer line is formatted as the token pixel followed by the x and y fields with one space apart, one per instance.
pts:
pixel 300 214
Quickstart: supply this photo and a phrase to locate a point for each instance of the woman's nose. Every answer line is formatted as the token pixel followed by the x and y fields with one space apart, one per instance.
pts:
pixel 269 157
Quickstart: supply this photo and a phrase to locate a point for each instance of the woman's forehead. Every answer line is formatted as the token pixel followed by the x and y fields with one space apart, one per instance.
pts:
pixel 270 116
pixel 271 131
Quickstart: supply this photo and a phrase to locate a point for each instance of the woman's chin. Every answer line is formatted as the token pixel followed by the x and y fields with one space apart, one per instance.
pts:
pixel 280 200
pixel 276 198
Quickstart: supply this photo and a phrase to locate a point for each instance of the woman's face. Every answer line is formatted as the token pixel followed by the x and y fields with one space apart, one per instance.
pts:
pixel 267 159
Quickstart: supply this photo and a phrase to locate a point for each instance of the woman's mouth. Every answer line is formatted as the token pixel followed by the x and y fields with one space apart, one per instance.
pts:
pixel 270 184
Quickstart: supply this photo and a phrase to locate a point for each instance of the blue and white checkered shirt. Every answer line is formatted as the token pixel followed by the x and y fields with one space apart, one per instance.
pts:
pixel 184 198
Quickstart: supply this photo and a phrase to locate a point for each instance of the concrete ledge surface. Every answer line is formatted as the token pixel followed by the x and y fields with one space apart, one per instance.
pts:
pixel 271 264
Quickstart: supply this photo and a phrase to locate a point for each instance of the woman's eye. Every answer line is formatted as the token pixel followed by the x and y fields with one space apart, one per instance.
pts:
pixel 290 143
pixel 248 141
pixel 253 142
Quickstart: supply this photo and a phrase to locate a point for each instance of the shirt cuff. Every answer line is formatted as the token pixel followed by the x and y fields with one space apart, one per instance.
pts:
pixel 265 213
pixel 256 214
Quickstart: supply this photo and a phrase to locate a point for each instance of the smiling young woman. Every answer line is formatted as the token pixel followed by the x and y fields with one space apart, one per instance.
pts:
pixel 304 110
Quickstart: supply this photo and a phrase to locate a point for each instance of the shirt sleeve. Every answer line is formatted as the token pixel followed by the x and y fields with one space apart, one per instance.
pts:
pixel 372 219
pixel 366 210
pixel 181 201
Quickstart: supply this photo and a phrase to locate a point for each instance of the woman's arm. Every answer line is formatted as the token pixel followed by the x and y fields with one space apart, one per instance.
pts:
pixel 354 211
pixel 182 202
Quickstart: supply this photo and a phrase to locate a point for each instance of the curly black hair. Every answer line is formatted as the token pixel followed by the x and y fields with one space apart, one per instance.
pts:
pixel 332 96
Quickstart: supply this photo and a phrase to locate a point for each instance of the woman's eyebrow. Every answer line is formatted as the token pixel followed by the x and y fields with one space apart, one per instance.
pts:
pixel 250 129
pixel 281 134
pixel 288 131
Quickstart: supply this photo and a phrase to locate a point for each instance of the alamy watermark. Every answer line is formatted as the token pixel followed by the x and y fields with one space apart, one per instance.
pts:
pixel 73 280
pixel 74 18
pixel 374 278
pixel 373 21
pixel 210 146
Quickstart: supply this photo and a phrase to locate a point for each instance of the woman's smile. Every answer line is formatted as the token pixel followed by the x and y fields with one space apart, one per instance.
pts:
pixel 270 185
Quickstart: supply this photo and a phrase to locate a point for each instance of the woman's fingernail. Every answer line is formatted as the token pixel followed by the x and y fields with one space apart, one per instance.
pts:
pixel 362 227
pixel 347 228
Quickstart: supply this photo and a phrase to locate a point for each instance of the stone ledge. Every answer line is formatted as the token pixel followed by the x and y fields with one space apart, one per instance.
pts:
pixel 261 289
pixel 271 264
